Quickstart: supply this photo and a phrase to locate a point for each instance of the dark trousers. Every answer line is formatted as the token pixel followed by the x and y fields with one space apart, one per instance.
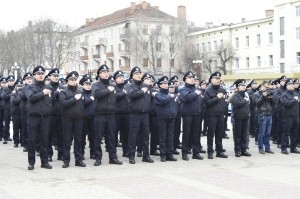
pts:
pixel 252 122
pixel 191 126
pixel 72 128
pixel 1 123
pixel 24 128
pixel 177 130
pixel 17 130
pixel 138 121
pixel 240 135
pixel 215 128
pixel 88 130
pixel 166 136
pixel 56 132
pixel 6 127
pixel 105 125
pixel 154 137
pixel 274 125
pixel 279 127
pixel 122 126
pixel 38 125
pixel 290 128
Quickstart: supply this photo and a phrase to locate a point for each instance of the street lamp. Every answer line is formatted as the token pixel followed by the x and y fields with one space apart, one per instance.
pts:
pixel 16 69
pixel 198 67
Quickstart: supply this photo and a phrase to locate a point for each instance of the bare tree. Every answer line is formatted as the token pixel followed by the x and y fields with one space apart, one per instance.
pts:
pixel 225 53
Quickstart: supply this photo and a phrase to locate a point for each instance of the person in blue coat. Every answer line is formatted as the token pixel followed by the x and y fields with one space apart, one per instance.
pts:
pixel 166 113
pixel 191 107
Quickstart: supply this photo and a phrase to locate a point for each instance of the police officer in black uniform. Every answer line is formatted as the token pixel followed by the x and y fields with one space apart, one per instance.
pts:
pixel 252 89
pixel 166 114
pixel 279 91
pixel 39 109
pixel 214 101
pixel 105 122
pixel 140 103
pixel 290 121
pixel 56 125
pixel 191 107
pixel 72 113
pixel 16 113
pixel 27 80
pixel 89 115
pixel 203 86
pixel 240 102
pixel 6 93
pixel 122 111
pixel 3 85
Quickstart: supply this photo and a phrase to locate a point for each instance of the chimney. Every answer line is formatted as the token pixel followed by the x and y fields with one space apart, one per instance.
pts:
pixel 243 20
pixel 29 24
pixel 269 13
pixel 181 12
pixel 144 5
pixel 156 7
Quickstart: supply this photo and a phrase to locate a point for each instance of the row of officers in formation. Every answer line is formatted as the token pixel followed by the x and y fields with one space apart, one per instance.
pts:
pixel 144 115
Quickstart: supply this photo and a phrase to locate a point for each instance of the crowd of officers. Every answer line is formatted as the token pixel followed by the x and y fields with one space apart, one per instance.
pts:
pixel 146 115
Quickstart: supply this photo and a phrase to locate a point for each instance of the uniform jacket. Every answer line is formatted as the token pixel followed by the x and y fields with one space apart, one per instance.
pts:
pixel 15 104
pixel 214 105
pixel 191 103
pixel 71 108
pixel 140 102
pixel 6 93
pixel 55 87
pixel 105 101
pixel 38 103
pixel 290 106
pixel 166 105
pixel 241 105
pixel 88 104
pixel 22 96
pixel 122 99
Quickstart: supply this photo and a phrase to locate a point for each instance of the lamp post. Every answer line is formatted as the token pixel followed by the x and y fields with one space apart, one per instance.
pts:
pixel 198 67
pixel 16 69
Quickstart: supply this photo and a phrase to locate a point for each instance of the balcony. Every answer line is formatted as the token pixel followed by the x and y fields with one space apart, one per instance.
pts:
pixel 110 55
pixel 84 58
pixel 102 41
pixel 124 36
pixel 124 53
pixel 84 44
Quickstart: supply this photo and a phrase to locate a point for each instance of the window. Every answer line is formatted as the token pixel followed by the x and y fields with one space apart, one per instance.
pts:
pixel 145 29
pixel 258 61
pixel 282 49
pixel 209 47
pixel 215 45
pixel 270 60
pixel 237 44
pixel 171 47
pixel 145 46
pixel 112 48
pixel 203 47
pixel 158 62
pixel 270 37
pixel 237 63
pixel 119 47
pixel 298 11
pixel 247 62
pixel 158 46
pixel 247 41
pixel 172 63
pixel 298 33
pixel 258 39
pixel 282 67
pixel 281 23
pixel 298 57
pixel 120 62
pixel 145 62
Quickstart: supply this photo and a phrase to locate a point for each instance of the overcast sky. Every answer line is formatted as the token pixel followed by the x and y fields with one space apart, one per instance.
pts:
pixel 14 14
